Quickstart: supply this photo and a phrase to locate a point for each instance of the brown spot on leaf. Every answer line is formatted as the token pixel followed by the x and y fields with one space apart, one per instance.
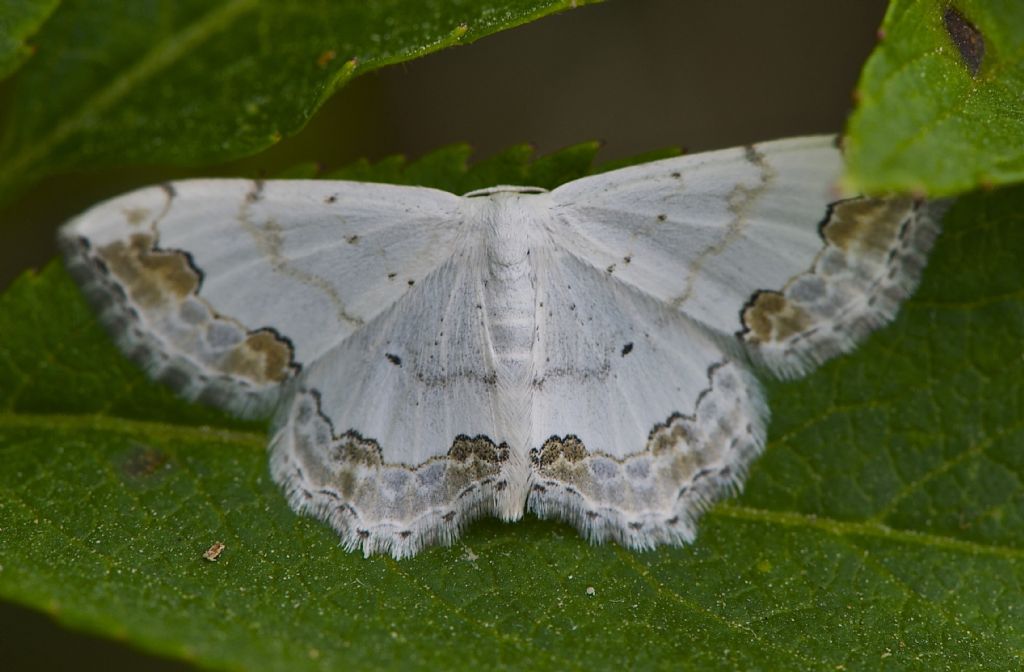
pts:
pixel 967 38
pixel 143 461
pixel 326 57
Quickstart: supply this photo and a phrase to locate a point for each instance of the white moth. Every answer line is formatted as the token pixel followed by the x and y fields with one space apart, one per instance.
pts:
pixel 583 353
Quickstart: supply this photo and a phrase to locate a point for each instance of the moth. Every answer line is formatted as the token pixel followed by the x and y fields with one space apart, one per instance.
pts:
pixel 585 353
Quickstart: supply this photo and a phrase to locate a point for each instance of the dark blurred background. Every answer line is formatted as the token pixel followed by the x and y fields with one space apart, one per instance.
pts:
pixel 638 75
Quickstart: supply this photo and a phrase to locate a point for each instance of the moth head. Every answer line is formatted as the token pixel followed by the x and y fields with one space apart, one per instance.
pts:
pixel 504 189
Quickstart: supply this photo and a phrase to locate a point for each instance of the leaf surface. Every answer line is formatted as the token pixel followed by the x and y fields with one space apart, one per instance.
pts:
pixel 940 109
pixel 882 529
pixel 193 81
pixel 19 20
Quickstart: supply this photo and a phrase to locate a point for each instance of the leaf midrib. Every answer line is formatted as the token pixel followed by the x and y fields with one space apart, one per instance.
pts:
pixel 130 427
pixel 848 528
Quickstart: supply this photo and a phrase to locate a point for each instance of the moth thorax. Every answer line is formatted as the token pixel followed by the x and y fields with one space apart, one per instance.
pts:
pixel 511 221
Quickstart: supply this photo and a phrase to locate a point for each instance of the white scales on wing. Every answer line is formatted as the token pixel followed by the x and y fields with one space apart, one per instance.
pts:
pixel 584 353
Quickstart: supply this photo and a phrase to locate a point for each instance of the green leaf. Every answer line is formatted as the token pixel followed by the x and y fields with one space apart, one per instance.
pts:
pixel 940 107
pixel 19 20
pixel 882 529
pixel 448 168
pixel 195 81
